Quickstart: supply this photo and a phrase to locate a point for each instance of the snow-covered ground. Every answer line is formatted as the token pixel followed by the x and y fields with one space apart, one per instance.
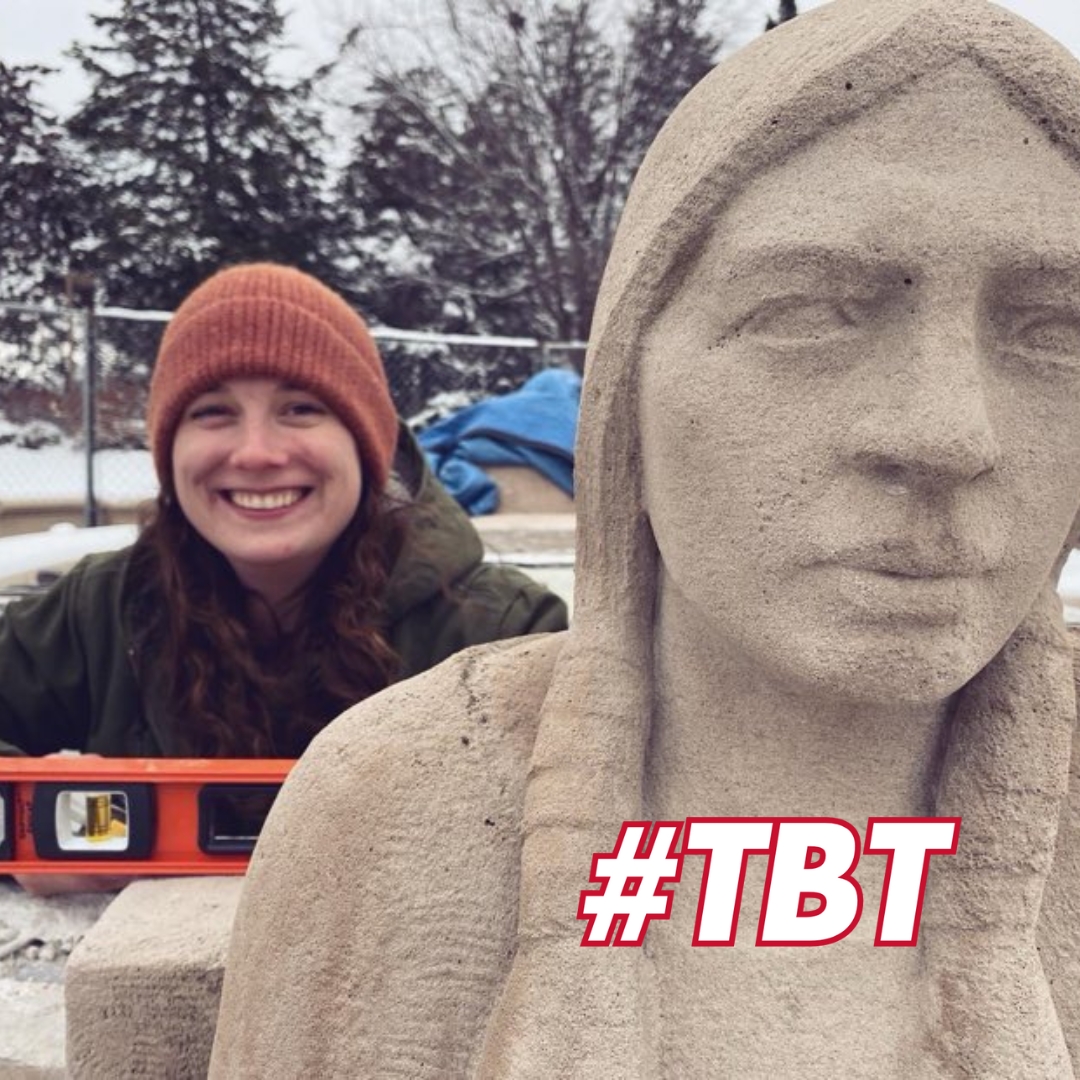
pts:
pixel 25 553
pixel 36 936
pixel 59 472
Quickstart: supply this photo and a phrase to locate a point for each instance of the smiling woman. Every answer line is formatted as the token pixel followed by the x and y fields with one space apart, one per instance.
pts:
pixel 299 558
pixel 269 476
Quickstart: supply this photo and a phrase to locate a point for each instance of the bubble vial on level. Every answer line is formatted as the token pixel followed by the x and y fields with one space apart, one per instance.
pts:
pixel 92 820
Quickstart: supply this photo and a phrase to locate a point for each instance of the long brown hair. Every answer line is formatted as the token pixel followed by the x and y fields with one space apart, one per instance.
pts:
pixel 232 696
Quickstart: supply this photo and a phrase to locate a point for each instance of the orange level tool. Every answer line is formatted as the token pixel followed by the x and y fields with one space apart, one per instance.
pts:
pixel 133 815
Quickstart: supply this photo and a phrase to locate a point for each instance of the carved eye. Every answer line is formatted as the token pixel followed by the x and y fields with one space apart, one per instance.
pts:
pixel 803 319
pixel 1052 333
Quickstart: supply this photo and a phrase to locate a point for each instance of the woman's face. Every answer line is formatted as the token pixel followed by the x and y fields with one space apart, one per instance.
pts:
pixel 269 476
pixel 861 410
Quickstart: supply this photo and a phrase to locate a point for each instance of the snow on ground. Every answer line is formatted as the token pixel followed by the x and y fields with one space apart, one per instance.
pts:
pixel 59 472
pixel 36 937
pixel 24 553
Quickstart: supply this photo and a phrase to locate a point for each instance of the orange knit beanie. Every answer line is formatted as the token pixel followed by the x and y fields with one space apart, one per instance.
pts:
pixel 266 320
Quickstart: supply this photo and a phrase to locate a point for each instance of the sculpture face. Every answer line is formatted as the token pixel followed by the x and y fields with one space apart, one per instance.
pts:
pixel 861 408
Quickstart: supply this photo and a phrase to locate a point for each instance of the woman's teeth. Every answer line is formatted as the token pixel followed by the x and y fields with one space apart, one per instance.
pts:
pixel 266 500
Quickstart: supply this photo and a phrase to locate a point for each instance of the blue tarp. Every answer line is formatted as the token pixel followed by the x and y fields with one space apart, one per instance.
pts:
pixel 535 426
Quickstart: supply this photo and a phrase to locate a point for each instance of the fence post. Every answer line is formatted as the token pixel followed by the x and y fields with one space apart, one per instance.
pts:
pixel 89 419
pixel 79 285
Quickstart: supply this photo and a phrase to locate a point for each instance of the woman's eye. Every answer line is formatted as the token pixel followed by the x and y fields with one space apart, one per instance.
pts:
pixel 305 409
pixel 800 319
pixel 207 411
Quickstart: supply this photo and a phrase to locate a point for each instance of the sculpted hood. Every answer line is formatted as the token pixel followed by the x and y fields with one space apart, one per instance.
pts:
pixel 753 111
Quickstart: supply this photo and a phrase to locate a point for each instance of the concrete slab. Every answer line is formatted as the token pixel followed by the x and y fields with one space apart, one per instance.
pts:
pixel 523 489
pixel 531 535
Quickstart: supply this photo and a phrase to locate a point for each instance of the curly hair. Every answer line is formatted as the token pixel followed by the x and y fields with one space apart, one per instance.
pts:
pixel 234 696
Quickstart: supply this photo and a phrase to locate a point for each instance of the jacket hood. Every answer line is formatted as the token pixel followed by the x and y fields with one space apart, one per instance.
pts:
pixel 441 543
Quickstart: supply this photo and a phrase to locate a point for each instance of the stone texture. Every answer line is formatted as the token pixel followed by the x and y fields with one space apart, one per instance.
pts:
pixel 827 471
pixel 397 1007
pixel 143 986
pixel 540 544
pixel 532 535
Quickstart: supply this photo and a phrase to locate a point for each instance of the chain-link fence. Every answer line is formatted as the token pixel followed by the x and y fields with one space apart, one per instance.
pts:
pixel 73 386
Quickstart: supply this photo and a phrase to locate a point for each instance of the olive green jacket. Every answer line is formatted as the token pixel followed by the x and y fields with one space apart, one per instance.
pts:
pixel 74 676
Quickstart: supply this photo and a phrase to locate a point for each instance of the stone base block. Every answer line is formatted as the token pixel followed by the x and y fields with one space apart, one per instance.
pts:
pixel 142 988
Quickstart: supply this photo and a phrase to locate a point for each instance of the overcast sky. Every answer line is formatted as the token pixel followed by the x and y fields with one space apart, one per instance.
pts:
pixel 38 31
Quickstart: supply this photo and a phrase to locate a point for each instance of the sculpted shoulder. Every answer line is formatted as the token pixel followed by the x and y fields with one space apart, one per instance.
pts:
pixel 483 699
pixel 391 858
pixel 450 745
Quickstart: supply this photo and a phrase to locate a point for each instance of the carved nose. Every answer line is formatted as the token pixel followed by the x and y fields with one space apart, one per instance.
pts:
pixel 933 430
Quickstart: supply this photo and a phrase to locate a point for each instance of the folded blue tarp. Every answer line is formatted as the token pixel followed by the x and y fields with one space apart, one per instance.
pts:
pixel 535 426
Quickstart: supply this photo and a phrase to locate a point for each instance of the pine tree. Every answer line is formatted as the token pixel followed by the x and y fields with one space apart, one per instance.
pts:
pixel 200 156
pixel 399 188
pixel 788 10
pixel 39 222
pixel 38 190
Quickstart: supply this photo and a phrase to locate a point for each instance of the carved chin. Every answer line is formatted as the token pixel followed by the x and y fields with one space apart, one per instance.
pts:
pixel 916 668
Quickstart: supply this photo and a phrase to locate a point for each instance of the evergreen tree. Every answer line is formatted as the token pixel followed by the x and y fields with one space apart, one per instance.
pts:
pixel 38 190
pixel 399 189
pixel 788 10
pixel 39 222
pixel 669 52
pixel 200 156
pixel 508 182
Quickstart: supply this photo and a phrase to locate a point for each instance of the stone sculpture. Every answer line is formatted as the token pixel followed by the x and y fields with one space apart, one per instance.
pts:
pixel 827 473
